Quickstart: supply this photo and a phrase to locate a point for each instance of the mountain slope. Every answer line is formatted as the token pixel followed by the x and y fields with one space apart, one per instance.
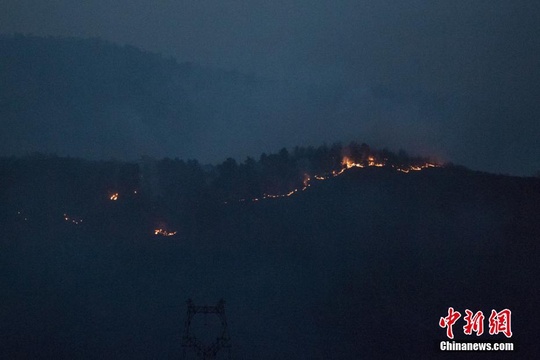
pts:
pixel 362 265
pixel 95 99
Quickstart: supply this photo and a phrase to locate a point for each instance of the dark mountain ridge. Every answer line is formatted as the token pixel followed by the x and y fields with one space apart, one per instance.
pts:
pixel 94 99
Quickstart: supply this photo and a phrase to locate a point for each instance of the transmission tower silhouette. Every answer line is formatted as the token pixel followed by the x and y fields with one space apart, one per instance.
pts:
pixel 191 342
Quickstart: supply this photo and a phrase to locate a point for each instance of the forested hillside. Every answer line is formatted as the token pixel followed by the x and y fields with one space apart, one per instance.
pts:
pixel 98 258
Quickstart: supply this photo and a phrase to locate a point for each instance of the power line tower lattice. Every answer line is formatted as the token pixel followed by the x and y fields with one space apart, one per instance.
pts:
pixel 206 351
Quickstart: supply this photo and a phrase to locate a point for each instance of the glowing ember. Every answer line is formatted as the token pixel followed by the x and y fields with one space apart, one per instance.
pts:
pixel 114 197
pixel 20 213
pixel 416 167
pixel 164 232
pixel 73 220
pixel 347 164
pixel 307 178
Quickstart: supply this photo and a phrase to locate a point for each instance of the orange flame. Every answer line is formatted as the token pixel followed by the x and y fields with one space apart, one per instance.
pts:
pixel 347 164
pixel 114 197
pixel 164 232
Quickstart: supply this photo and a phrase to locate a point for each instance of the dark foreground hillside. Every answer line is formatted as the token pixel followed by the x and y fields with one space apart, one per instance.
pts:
pixel 359 266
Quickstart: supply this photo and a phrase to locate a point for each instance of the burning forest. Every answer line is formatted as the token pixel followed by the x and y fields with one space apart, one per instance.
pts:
pixel 364 159
pixel 283 224
pixel 175 188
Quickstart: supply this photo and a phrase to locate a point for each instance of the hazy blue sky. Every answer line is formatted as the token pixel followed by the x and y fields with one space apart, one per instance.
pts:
pixel 460 78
